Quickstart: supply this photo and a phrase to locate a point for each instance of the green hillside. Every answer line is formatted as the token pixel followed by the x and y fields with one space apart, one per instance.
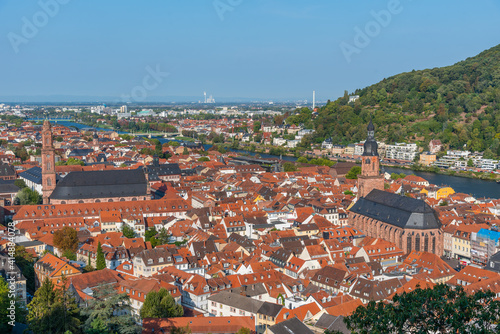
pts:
pixel 458 104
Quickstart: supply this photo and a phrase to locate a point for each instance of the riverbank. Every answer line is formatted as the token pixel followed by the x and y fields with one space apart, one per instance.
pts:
pixel 285 154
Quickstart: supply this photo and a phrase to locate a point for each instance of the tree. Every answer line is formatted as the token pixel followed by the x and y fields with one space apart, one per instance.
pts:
pixel 161 238
pixel 244 330
pixel 302 160
pixel 353 173
pixel 25 262
pixel 434 310
pixel 26 196
pixel 348 192
pixel 160 304
pixel 5 304
pixel 470 163
pixel 150 233
pixel 202 159
pixel 109 312
pixel 256 126
pixel 289 167
pixel 128 232
pixel 185 151
pixel 20 183
pixel 69 255
pixel 100 260
pixel 173 143
pixel 66 239
pixel 73 161
pixel 53 310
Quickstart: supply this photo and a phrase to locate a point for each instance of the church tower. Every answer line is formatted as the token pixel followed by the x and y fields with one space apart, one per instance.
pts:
pixel 95 141
pixel 370 177
pixel 48 163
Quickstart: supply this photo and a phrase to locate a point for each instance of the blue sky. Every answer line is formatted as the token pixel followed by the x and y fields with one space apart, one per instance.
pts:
pixel 281 49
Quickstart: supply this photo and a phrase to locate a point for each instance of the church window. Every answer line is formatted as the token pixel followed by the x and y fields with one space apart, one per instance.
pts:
pixel 426 243
pixel 48 165
pixel 434 245
pixel 49 181
pixel 417 242
pixel 408 244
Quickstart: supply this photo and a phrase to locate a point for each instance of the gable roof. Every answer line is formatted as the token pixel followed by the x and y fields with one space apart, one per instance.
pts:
pixel 101 184
pixel 396 210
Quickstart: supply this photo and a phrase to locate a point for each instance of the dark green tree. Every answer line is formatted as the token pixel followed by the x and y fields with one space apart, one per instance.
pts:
pixel 25 262
pixel 353 173
pixel 109 312
pixel 289 167
pixel 434 310
pixel 53 310
pixel 256 126
pixel 150 233
pixel 128 232
pixel 100 259
pixel 5 304
pixel 20 183
pixel 160 304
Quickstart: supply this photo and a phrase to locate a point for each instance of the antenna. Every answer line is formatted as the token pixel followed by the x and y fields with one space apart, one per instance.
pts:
pixel 314 99
pixel 205 95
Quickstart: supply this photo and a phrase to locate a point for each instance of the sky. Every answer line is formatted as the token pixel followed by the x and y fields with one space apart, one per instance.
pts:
pixel 174 50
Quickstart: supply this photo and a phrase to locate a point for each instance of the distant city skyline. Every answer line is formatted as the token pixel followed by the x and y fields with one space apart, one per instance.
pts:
pixel 165 51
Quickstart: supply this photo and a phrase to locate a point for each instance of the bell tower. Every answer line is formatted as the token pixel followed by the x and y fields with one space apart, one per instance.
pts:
pixel 48 163
pixel 370 177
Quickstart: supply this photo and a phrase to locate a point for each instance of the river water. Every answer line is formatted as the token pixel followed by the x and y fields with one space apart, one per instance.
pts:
pixel 477 188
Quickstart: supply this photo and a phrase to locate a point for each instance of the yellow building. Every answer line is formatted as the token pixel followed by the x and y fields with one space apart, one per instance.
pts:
pixel 427 158
pixel 438 193
pixel 444 192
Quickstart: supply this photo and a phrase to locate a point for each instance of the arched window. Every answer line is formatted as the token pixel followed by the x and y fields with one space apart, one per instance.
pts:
pixel 417 242
pixel 408 244
pixel 49 181
pixel 434 245
pixel 48 165
pixel 426 243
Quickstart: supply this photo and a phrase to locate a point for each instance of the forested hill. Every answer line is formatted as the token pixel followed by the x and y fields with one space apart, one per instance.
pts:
pixel 459 104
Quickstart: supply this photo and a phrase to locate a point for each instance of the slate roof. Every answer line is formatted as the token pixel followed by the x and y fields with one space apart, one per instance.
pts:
pixel 494 263
pixel 162 170
pixel 246 303
pixel 79 152
pixel 101 184
pixel 290 326
pixel 8 187
pixel 396 210
pixel 7 170
pixel 33 174
pixel 332 323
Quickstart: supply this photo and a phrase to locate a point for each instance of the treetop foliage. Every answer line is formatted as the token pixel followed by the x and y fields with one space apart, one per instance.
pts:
pixel 458 104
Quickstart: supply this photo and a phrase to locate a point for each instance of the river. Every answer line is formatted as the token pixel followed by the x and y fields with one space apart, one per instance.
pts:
pixel 477 188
